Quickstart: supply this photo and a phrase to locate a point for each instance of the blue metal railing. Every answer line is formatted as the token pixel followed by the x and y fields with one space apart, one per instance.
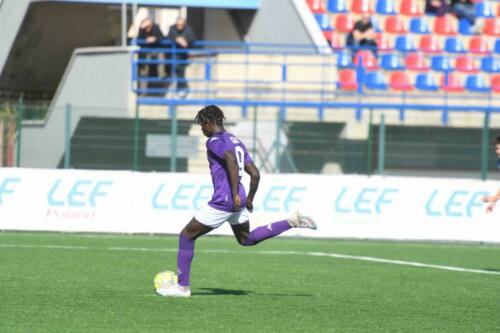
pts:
pixel 287 82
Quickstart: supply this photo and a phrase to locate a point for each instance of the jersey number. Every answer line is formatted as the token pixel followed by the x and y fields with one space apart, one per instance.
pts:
pixel 240 159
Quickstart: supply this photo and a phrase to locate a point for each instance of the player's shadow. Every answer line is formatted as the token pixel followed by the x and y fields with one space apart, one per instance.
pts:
pixel 491 269
pixel 220 291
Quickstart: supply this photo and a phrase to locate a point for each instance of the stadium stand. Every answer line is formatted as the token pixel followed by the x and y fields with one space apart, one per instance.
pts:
pixel 445 43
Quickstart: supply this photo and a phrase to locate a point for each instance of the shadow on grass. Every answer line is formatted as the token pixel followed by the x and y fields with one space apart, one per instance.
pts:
pixel 491 269
pixel 220 291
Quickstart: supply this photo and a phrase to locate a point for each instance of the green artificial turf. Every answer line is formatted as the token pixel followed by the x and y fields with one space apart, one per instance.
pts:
pixel 103 283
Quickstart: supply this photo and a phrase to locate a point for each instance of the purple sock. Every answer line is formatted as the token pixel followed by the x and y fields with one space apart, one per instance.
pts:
pixel 184 258
pixel 267 231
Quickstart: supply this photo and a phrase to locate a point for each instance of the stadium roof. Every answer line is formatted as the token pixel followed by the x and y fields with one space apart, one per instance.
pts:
pixel 233 4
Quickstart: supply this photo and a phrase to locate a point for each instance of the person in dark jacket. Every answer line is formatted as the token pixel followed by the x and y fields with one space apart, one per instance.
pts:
pixel 182 36
pixel 149 36
pixel 436 7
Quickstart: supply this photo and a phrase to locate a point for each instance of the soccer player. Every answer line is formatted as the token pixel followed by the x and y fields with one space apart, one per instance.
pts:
pixel 491 200
pixel 228 158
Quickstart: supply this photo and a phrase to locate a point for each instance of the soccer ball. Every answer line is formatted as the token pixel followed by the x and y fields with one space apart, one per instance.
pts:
pixel 165 280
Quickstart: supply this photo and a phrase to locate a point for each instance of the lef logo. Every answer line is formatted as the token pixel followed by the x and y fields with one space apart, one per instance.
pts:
pixel 8 187
pixel 79 193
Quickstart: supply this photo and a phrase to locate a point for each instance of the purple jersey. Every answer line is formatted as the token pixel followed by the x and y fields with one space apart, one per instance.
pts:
pixel 217 144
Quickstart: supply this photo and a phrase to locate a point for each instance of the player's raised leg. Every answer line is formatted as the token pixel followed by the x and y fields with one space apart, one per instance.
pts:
pixel 248 238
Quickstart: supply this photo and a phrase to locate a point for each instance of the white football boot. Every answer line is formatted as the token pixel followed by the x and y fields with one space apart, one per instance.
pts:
pixel 297 220
pixel 177 291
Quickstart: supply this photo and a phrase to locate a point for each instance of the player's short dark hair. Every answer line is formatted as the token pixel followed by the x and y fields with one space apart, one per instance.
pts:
pixel 497 141
pixel 210 114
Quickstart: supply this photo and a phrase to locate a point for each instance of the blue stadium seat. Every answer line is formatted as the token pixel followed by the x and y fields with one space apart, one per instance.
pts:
pixel 405 44
pixel 391 61
pixel 337 6
pixel 477 83
pixel 375 81
pixel 376 24
pixel 344 60
pixel 454 45
pixel 490 65
pixel 497 46
pixel 484 9
pixel 324 22
pixel 464 27
pixel 426 82
pixel 441 63
pixel 386 7
pixel 419 25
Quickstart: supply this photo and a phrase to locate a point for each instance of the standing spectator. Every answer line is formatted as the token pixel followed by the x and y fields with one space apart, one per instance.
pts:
pixel 149 36
pixel 436 7
pixel 182 35
pixel 465 9
pixel 362 35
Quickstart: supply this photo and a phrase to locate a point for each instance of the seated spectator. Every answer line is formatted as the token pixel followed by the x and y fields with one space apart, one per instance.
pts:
pixel 362 36
pixel 464 9
pixel 436 7
pixel 182 35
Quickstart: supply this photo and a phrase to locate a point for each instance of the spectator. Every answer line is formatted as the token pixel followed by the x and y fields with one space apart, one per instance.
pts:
pixel 464 9
pixel 362 35
pixel 149 36
pixel 436 7
pixel 182 35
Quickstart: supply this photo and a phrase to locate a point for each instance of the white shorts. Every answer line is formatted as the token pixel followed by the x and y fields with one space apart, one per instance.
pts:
pixel 214 218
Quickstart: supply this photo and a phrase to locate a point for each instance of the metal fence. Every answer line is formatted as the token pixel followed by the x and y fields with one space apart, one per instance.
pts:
pixel 294 142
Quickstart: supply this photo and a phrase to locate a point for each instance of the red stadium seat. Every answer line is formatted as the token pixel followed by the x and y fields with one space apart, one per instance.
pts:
pixel 465 64
pixel 416 61
pixel 479 45
pixel 384 43
pixel 344 23
pixel 316 6
pixel 495 83
pixel 399 81
pixel 411 7
pixel 445 25
pixel 492 27
pixel 367 59
pixel 361 6
pixel 430 44
pixel 453 84
pixel 347 79
pixel 395 25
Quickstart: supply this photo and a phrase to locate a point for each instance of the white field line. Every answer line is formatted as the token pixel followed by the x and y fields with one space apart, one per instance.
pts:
pixel 315 254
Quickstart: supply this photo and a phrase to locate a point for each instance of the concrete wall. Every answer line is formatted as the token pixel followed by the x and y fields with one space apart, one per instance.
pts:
pixel 12 13
pixel 96 82
pixel 278 21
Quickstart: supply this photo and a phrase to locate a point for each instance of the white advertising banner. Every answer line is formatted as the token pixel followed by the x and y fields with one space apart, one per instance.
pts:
pixel 343 206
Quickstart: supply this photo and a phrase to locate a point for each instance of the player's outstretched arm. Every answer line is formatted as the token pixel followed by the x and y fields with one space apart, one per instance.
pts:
pixel 254 174
pixel 232 170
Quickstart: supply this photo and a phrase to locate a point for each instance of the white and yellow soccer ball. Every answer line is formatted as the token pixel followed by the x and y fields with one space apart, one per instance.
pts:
pixel 165 280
